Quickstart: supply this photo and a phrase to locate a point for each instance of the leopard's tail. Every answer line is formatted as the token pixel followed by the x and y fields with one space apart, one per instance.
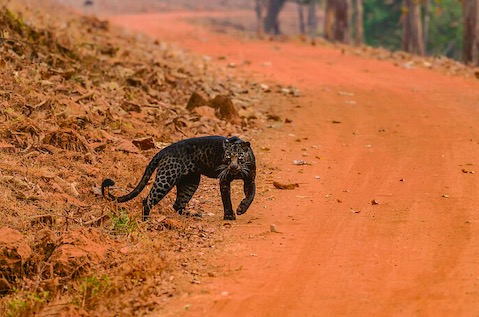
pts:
pixel 141 185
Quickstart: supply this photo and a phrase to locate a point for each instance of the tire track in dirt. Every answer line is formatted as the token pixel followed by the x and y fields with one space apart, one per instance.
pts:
pixel 413 254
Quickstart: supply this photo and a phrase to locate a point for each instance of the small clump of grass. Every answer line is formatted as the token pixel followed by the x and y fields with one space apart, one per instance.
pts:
pixel 25 303
pixel 121 222
pixel 91 290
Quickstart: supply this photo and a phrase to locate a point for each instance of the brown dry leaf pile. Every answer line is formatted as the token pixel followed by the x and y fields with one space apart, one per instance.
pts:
pixel 81 101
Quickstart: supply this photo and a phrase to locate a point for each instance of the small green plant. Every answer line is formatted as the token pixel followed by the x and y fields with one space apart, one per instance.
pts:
pixel 121 222
pixel 26 303
pixel 15 22
pixel 91 289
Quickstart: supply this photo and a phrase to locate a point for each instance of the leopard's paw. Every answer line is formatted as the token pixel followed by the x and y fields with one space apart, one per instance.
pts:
pixel 229 217
pixel 241 209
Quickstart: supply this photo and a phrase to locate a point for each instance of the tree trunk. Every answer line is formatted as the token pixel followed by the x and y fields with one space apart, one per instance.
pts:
pixel 470 53
pixel 312 20
pixel 259 16
pixel 271 23
pixel 343 30
pixel 425 33
pixel 358 22
pixel 412 41
pixel 302 26
pixel 329 20
pixel 336 22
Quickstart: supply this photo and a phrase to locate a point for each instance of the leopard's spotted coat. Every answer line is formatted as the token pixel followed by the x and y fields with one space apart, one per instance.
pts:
pixel 181 164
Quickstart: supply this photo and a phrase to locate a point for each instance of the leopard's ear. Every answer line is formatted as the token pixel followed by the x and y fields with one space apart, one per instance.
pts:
pixel 234 139
pixel 246 144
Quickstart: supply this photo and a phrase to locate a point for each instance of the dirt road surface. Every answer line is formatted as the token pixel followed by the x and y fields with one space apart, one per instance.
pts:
pixel 385 221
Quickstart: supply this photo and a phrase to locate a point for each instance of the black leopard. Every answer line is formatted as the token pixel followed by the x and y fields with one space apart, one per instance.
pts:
pixel 181 164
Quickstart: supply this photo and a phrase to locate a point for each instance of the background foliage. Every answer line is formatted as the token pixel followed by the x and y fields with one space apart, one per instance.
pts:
pixel 382 23
pixel 382 26
pixel 445 29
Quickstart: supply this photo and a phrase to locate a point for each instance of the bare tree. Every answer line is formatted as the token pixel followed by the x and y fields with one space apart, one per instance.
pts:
pixel 302 26
pixel 412 40
pixel 312 21
pixel 336 24
pixel 259 6
pixel 271 23
pixel 470 53
pixel 329 20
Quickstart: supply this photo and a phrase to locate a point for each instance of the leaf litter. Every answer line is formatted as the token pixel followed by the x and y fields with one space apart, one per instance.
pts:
pixel 81 101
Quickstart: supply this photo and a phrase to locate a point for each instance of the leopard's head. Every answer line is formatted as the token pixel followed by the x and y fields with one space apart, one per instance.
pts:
pixel 236 158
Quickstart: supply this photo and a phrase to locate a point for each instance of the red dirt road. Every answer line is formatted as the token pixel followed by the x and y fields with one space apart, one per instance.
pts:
pixel 407 138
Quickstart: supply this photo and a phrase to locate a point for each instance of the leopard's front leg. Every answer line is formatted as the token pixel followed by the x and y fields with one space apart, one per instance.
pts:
pixel 249 188
pixel 225 189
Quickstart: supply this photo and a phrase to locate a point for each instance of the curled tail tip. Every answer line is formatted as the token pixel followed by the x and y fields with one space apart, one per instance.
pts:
pixel 105 184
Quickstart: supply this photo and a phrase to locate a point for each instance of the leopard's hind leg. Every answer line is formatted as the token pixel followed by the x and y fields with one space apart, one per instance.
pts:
pixel 186 188
pixel 165 180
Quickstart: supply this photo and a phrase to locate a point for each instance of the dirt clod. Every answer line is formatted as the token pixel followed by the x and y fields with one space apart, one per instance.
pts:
pixel 225 109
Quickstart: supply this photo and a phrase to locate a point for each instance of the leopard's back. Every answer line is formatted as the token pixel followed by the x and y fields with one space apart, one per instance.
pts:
pixel 196 155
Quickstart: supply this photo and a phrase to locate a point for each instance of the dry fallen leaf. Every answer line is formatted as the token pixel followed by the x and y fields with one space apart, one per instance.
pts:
pixel 354 210
pixel 66 187
pixel 285 186
pixel 272 228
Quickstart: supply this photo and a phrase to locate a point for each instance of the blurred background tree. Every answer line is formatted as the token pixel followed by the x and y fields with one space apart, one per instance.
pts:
pixel 311 26
pixel 413 33
pixel 337 21
pixel 358 22
pixel 471 32
pixel 382 23
pixel 437 25
pixel 271 21
pixel 445 29
pixel 443 25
